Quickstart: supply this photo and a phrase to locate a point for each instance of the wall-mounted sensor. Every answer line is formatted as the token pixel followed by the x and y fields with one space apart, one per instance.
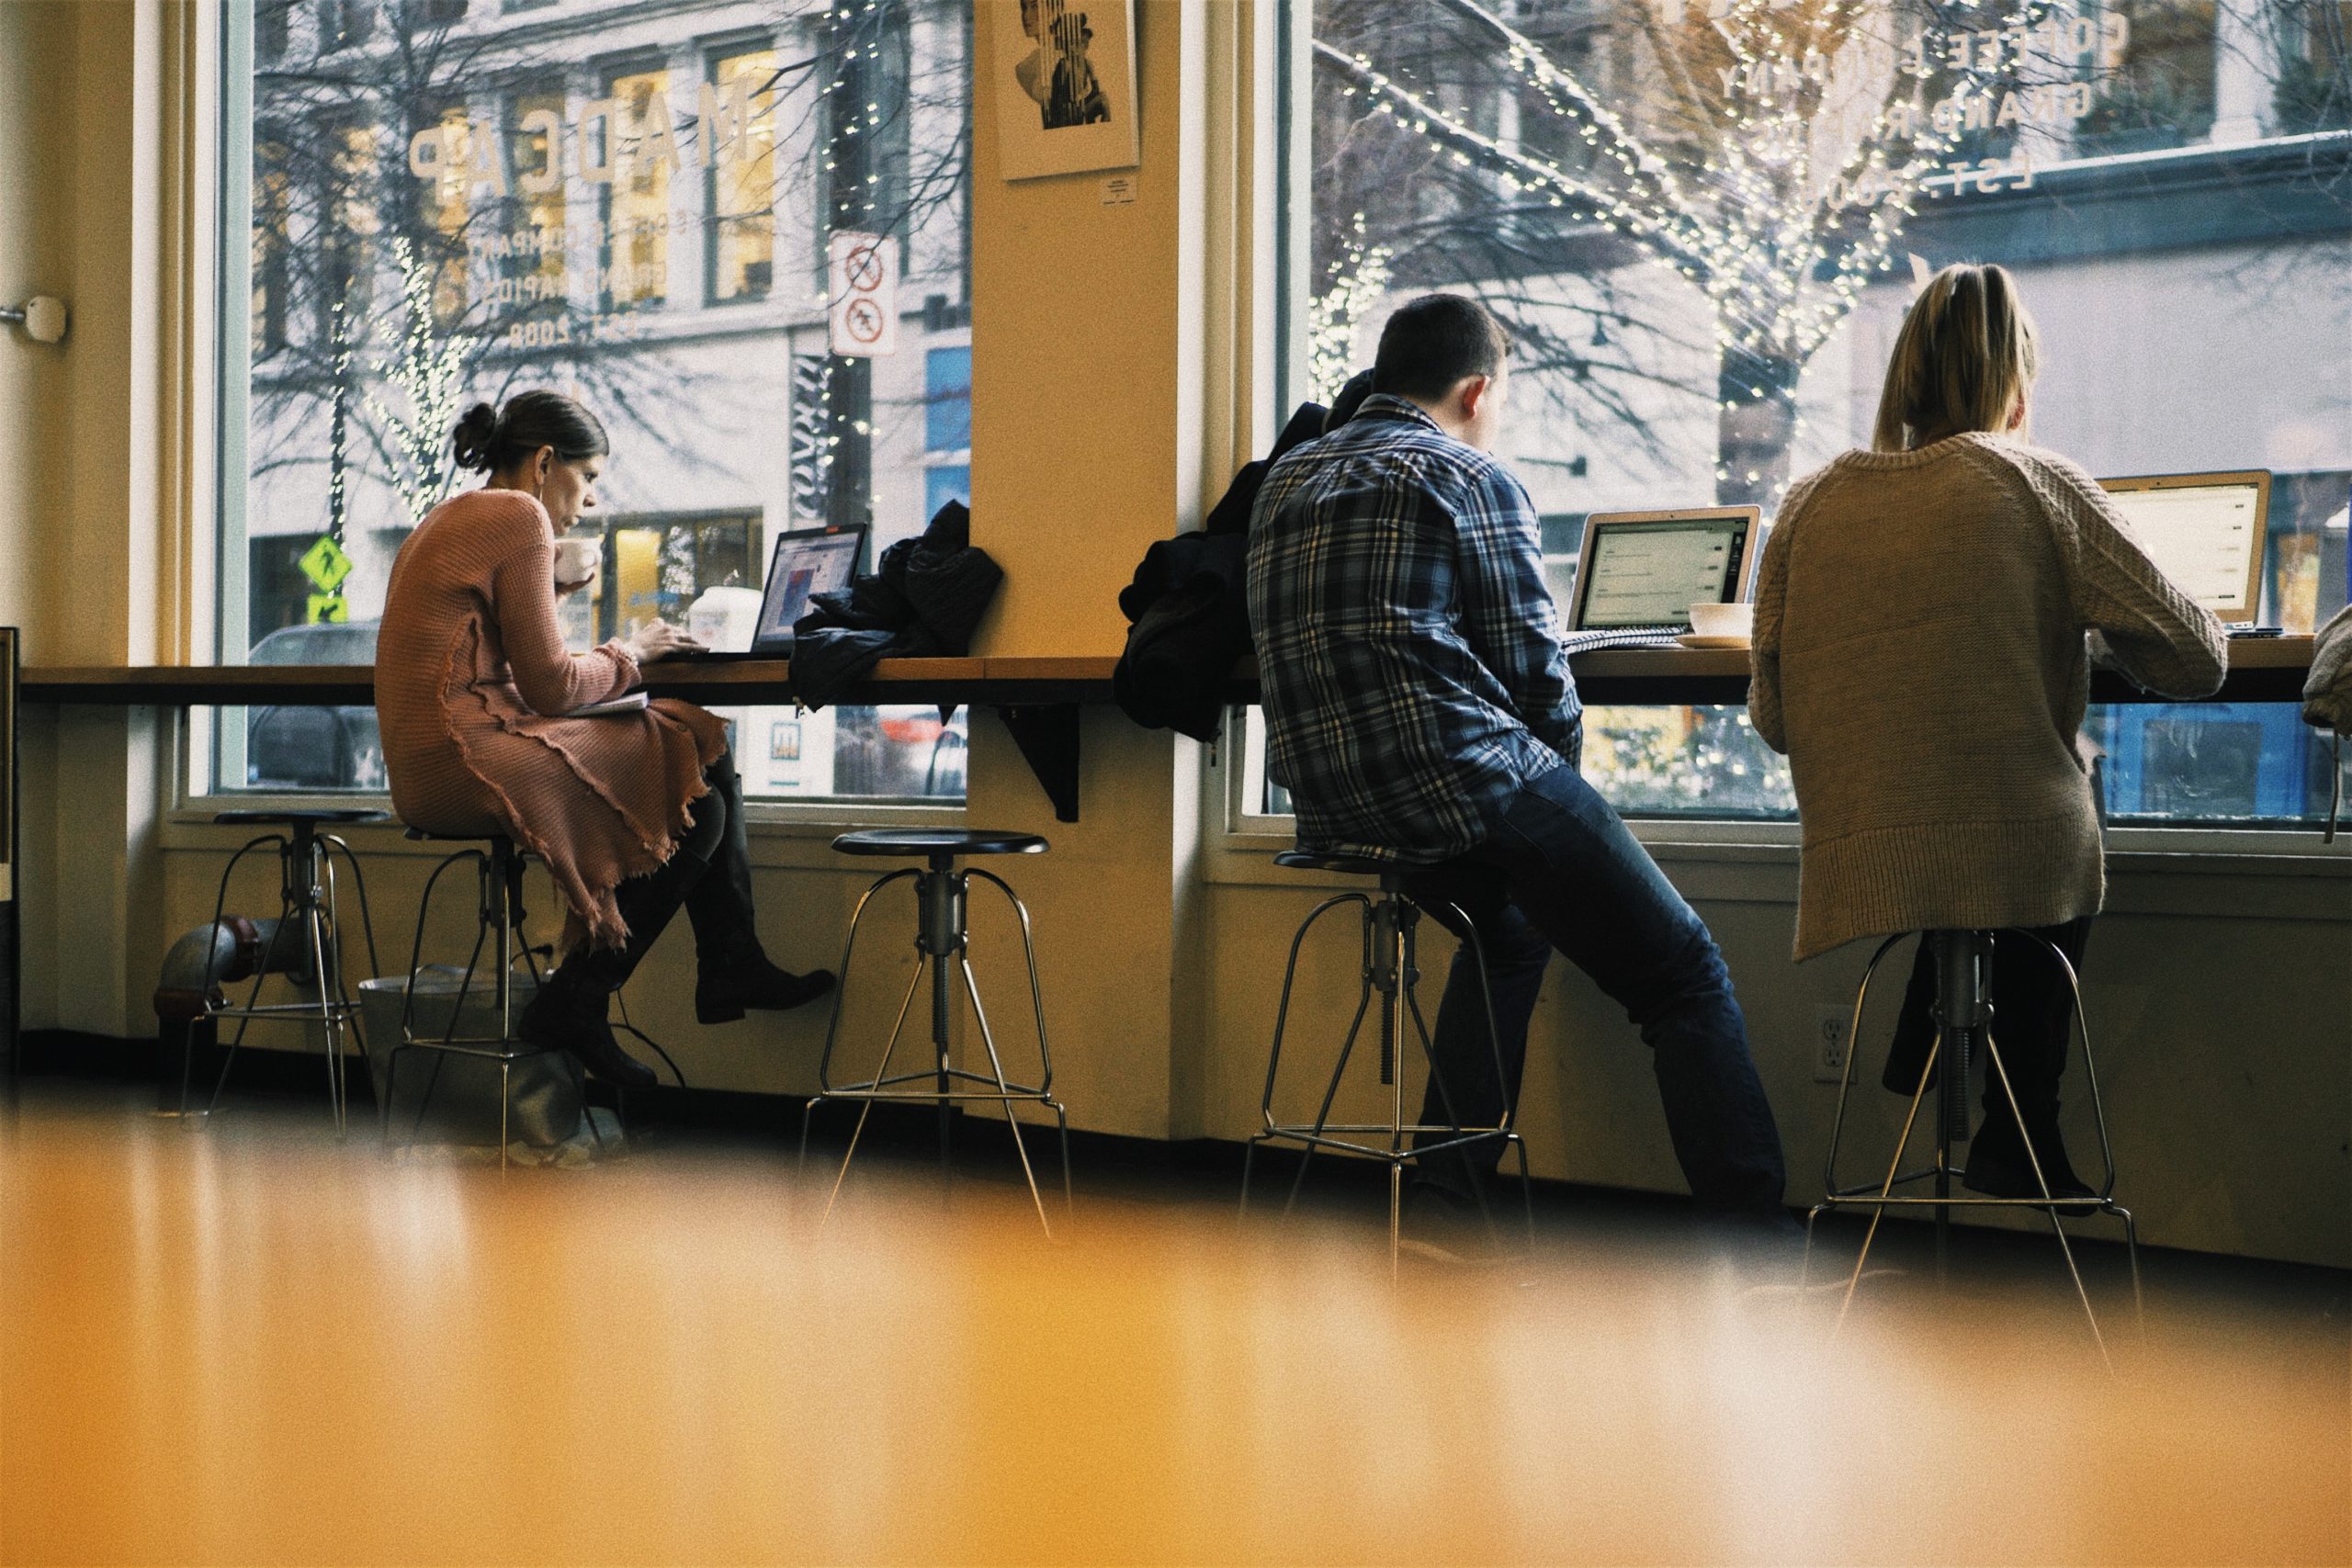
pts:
pixel 42 318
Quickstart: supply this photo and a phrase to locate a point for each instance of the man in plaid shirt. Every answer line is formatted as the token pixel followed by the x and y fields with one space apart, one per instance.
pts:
pixel 1420 710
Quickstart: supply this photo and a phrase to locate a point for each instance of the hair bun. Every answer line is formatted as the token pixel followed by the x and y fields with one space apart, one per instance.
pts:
pixel 476 438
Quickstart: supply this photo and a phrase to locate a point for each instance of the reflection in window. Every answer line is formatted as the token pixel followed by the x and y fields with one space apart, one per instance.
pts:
pixel 897 752
pixel 948 399
pixel 444 201
pixel 535 250
pixel 2315 87
pixel 2160 93
pixel 352 171
pixel 641 146
pixel 1685 761
pixel 273 27
pixel 740 151
pixel 343 24
pixel 273 188
pixel 655 568
pixel 2229 764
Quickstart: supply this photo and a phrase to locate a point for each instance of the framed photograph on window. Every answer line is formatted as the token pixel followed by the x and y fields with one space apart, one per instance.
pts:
pixel 1065 85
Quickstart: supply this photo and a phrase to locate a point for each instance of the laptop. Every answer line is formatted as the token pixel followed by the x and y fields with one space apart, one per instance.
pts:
pixel 806 562
pixel 2205 532
pixel 1639 572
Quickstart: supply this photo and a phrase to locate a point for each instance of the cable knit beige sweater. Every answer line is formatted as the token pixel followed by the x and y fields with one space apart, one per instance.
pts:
pixel 1919 654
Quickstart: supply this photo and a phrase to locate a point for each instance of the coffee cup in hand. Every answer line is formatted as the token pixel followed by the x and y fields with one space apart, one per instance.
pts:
pixel 577 560
pixel 1723 620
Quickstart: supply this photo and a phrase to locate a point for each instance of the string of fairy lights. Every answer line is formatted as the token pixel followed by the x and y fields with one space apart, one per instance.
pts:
pixel 1811 169
pixel 429 370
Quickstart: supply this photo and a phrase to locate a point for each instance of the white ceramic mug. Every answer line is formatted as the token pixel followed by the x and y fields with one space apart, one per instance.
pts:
pixel 578 557
pixel 1723 620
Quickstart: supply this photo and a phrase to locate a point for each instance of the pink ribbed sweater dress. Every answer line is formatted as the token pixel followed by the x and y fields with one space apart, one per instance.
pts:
pixel 472 679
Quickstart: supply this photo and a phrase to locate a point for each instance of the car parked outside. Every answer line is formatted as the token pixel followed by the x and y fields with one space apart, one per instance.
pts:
pixel 315 749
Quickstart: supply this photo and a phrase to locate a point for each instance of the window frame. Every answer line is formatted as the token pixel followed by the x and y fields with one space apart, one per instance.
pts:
pixel 198 748
pixel 1230 829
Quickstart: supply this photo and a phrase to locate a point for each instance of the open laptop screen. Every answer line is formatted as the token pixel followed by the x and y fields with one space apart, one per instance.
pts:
pixel 2203 531
pixel 1646 568
pixel 808 562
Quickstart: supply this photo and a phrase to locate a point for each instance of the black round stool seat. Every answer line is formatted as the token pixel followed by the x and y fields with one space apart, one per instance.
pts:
pixel 938 841
pixel 327 813
pixel 1348 865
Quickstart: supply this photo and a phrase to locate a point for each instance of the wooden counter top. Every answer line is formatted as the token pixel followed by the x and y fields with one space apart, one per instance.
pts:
pixel 2261 669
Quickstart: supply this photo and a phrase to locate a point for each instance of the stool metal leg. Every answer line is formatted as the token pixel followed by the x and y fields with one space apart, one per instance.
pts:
pixel 1037 1011
pixel 866 1108
pixel 1993 1054
pixel 1274 1059
pixel 307 898
pixel 840 989
pixel 996 1067
pixel 245 1016
pixel 1394 934
pixel 220 911
pixel 1910 1119
pixel 2106 1203
pixel 1338 1069
pixel 1844 1088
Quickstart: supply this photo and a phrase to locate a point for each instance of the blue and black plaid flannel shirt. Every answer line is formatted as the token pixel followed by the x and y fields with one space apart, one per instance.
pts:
pixel 1407 644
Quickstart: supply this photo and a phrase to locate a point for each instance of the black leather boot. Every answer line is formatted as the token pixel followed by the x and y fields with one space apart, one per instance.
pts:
pixel 732 971
pixel 722 994
pixel 570 1014
pixel 1998 1166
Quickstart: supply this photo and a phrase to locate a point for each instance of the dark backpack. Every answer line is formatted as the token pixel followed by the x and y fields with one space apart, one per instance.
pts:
pixel 1188 608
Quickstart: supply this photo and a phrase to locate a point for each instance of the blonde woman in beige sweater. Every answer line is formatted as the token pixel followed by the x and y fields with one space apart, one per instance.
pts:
pixel 1926 615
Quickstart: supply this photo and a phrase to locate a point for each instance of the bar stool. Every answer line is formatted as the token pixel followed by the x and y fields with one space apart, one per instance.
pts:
pixel 501 914
pixel 1963 1017
pixel 308 915
pixel 940 945
pixel 1388 926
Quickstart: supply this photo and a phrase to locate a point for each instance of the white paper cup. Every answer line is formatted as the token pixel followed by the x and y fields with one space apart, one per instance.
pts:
pixel 1723 620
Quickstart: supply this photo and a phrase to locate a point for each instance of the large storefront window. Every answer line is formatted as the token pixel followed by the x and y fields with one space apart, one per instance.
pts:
pixel 1700 220
pixel 433 204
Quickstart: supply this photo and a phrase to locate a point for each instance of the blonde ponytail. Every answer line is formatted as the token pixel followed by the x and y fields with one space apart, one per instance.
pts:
pixel 1966 353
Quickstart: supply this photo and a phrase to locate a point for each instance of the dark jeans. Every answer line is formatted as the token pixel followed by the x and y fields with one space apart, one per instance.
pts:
pixel 1559 870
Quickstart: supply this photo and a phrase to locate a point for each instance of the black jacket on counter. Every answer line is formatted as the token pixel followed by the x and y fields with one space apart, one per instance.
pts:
pixel 924 600
pixel 1188 610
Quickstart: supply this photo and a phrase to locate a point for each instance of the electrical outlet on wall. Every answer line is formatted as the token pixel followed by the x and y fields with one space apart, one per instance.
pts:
pixel 1830 1023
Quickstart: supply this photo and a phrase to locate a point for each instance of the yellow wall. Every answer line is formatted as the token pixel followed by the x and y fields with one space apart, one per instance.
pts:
pixel 36 225
pixel 1110 342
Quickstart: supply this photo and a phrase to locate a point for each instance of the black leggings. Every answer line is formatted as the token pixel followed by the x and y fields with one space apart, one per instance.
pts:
pixel 2033 1020
pixel 709 876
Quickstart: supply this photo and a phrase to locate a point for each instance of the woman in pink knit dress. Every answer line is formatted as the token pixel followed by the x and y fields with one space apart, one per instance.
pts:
pixel 634 814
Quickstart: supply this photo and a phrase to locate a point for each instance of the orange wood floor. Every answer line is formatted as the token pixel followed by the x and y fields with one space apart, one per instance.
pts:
pixel 242 1344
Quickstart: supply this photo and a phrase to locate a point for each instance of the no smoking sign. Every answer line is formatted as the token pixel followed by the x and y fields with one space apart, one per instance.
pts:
pixel 861 295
